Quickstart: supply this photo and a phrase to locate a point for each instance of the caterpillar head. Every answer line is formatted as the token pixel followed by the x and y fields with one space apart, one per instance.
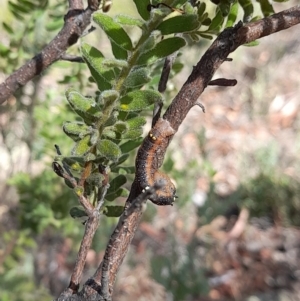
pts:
pixel 165 195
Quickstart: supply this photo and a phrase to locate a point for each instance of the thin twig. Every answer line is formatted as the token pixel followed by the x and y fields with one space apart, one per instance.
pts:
pixel 90 230
pixel 169 61
pixel 162 85
pixel 101 196
pixel 223 82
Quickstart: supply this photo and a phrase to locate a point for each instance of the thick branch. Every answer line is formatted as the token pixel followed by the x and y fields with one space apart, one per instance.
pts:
pixel 76 21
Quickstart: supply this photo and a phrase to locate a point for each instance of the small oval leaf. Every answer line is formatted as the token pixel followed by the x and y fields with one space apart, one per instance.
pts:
pixel 82 147
pixel 232 14
pixel 142 8
pixel 114 31
pixel 85 107
pixel 216 22
pixel 161 50
pixel 121 192
pixel 129 21
pixel 248 9
pixel 76 130
pixel 113 211
pixel 116 183
pixel 77 212
pixel 130 145
pixel 103 75
pixel 138 100
pixel 177 24
pixel 109 150
pixel 137 78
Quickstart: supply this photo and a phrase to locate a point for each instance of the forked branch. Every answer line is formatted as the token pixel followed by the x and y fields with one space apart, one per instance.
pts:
pixel 228 41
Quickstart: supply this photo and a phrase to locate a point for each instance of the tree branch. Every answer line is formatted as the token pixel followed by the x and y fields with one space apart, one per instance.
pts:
pixel 228 41
pixel 76 21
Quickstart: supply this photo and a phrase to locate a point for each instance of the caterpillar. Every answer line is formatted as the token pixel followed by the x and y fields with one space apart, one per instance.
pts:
pixel 149 159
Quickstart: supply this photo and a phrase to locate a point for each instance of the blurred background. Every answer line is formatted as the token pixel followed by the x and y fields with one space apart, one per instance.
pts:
pixel 233 233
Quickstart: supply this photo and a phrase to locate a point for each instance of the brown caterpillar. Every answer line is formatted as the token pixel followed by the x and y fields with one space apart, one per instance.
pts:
pixel 149 159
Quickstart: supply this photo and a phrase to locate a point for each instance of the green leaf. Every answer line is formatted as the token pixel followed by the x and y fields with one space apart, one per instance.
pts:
pixel 54 25
pixel 127 115
pixel 151 41
pixel 206 36
pixel 177 67
pixel 224 7
pixel 119 52
pixel 77 212
pixel 120 127
pixel 232 14
pixel 108 97
pixel 103 75
pixel 113 211
pixel 7 28
pixel 128 20
pixel 133 134
pixel 138 77
pixel 79 190
pixel 30 5
pixel 188 8
pixel 82 147
pixel 203 18
pixel 116 183
pixel 142 8
pixel 18 8
pixel 124 170
pixel 121 192
pixel 112 119
pixel 136 122
pixel 206 22
pixel 179 3
pixel 109 132
pixel 177 24
pixel 84 106
pixel 139 99
pixel 251 44
pixel 109 150
pixel 112 63
pixel 114 31
pixel 130 145
pixel 89 157
pixel 121 160
pixel 76 130
pixel 95 179
pixel 248 9
pixel 201 9
pixel 4 51
pixel 94 137
pixel 16 14
pixel 216 22
pixel 161 50
pixel 266 7
pixel 76 163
